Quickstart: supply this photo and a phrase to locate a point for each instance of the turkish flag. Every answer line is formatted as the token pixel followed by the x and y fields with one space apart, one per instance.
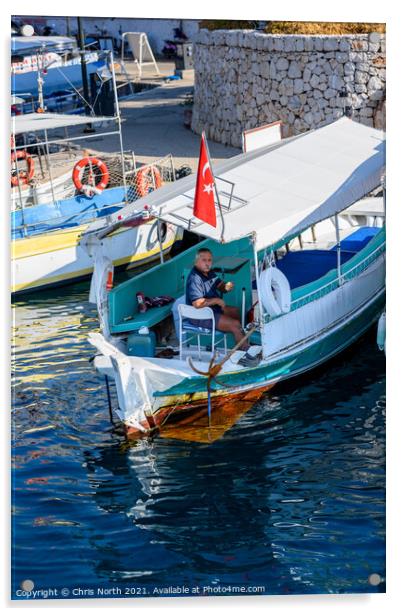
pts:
pixel 204 202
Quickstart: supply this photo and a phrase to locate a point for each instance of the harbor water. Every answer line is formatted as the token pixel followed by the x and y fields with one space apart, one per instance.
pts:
pixel 289 499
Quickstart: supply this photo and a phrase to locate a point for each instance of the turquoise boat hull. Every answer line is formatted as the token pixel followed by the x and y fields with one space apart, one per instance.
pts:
pixel 290 366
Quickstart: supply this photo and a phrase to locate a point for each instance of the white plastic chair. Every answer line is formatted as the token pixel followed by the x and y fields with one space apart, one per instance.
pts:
pixel 201 314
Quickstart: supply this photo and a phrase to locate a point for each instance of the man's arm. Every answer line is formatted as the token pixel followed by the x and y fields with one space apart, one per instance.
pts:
pixel 225 287
pixel 204 302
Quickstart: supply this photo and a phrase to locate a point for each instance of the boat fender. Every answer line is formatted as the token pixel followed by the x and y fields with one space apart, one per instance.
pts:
pixel 145 178
pixel 381 332
pixel 91 162
pixel 22 176
pixel 275 292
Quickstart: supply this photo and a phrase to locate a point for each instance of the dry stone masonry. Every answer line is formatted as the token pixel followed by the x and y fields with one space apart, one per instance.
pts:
pixel 244 79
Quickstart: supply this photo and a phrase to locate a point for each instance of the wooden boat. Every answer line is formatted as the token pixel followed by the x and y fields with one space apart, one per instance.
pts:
pixel 288 208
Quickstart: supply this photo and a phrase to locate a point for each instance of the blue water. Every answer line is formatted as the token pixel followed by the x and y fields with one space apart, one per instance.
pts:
pixel 290 500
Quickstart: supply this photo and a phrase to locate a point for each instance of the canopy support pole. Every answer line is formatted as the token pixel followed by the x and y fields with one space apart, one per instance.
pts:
pixel 257 280
pixel 117 114
pixel 338 250
pixel 49 166
pixel 18 177
pixel 158 228
pixel 384 197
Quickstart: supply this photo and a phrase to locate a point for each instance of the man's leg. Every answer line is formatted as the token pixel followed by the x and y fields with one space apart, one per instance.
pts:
pixel 232 312
pixel 232 326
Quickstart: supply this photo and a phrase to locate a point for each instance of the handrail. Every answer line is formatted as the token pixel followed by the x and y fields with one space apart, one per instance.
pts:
pixel 62 220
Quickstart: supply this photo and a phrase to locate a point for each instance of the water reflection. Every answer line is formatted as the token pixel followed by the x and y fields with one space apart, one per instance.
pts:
pixel 290 494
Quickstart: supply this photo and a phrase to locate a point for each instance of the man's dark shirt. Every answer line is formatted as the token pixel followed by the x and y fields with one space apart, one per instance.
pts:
pixel 200 285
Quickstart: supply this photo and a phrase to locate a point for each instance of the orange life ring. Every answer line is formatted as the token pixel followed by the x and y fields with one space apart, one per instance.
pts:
pixel 144 180
pixel 89 189
pixel 22 176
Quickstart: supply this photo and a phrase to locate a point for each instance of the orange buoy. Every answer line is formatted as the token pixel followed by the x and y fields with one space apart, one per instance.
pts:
pixel 92 162
pixel 22 176
pixel 145 179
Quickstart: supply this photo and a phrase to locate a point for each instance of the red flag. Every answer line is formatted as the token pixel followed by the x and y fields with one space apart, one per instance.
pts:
pixel 204 203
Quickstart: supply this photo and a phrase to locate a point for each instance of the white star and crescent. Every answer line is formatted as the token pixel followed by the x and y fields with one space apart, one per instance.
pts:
pixel 208 188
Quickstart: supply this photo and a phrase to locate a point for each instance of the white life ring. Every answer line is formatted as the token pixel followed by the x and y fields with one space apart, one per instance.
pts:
pixel 275 292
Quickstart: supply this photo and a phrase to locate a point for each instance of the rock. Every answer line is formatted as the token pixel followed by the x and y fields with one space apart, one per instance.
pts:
pixel 344 43
pixel 314 81
pixel 331 43
pixel 294 103
pixel 317 93
pixel 362 66
pixel 264 69
pixel 357 56
pixel 349 68
pixel 309 118
pixel 359 87
pixel 298 86
pixel 374 83
pixel 306 74
pixel 318 43
pixel 299 44
pixel 373 47
pixel 278 44
pixel 330 93
pixel 272 70
pixel 289 43
pixel 283 100
pixel 374 37
pixel 317 70
pixel 341 57
pixel 294 70
pixel 361 77
pixel 282 64
pixel 366 112
pixel 308 43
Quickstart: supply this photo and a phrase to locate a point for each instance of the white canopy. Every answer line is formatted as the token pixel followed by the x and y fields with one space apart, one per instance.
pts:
pixel 282 189
pixel 24 43
pixel 31 122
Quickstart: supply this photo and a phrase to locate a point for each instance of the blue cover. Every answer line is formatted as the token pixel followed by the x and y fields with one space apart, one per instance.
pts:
pixel 304 266
pixel 358 239
pixel 65 213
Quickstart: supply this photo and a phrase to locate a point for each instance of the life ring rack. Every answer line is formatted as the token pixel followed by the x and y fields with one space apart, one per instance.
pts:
pixel 147 179
pixel 92 162
pixel 22 176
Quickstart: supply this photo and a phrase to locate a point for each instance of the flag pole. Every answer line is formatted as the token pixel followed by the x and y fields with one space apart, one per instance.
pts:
pixel 216 190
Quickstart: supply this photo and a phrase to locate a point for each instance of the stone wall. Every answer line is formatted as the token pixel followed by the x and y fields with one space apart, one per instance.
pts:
pixel 244 79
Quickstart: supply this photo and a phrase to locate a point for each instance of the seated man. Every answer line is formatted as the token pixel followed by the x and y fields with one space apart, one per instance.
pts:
pixel 203 289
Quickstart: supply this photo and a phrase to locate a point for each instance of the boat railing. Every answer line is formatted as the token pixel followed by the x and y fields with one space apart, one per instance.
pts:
pixel 339 280
pixel 163 168
pixel 336 281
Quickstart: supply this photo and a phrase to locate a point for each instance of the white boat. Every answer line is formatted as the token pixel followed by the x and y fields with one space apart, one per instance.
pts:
pixel 313 300
pixel 57 56
pixel 45 236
